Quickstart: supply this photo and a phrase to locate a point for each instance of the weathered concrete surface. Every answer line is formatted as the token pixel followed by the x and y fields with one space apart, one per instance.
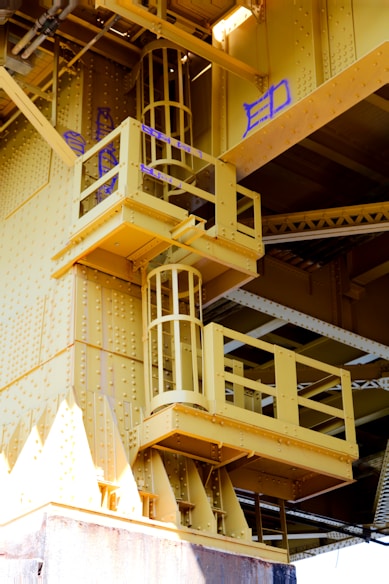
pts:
pixel 58 548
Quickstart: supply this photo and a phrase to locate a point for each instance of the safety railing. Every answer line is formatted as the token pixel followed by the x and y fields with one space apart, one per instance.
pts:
pixel 118 167
pixel 325 406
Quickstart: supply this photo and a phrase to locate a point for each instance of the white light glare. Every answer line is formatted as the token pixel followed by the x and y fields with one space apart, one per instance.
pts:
pixel 235 19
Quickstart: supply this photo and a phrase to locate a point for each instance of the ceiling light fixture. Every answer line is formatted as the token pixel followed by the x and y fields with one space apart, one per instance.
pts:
pixel 234 19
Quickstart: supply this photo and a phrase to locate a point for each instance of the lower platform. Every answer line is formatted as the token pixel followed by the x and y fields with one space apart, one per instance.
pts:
pixel 274 458
pixel 61 544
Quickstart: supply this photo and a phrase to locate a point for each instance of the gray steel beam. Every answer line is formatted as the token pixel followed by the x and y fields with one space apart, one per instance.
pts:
pixel 311 323
pixel 256 333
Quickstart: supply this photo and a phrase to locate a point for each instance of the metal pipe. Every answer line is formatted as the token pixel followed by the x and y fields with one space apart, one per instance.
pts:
pixel 110 22
pixel 64 69
pixel 51 26
pixel 380 542
pixel 33 46
pixel 71 5
pixel 48 22
pixel 54 104
pixel 57 5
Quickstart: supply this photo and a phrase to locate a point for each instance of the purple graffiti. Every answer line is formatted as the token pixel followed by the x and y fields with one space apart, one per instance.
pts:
pixel 75 141
pixel 107 161
pixel 276 98
pixel 104 122
pixel 107 158
pixel 158 174
pixel 176 143
pixel 156 134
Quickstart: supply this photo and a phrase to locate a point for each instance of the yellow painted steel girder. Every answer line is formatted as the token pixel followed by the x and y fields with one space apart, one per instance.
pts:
pixel 329 100
pixel 331 222
pixel 137 14
pixel 37 119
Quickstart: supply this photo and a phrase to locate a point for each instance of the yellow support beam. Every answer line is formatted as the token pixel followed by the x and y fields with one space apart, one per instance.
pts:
pixel 328 101
pixel 36 118
pixel 333 222
pixel 139 15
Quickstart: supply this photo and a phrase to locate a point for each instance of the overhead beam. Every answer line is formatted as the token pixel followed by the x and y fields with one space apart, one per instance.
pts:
pixel 376 272
pixel 372 264
pixel 322 223
pixel 308 322
pixel 379 102
pixel 256 333
pixel 77 30
pixel 312 112
pixel 103 42
pixel 344 160
pixel 160 27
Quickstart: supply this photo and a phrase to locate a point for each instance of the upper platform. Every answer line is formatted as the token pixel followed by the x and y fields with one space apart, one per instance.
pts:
pixel 126 209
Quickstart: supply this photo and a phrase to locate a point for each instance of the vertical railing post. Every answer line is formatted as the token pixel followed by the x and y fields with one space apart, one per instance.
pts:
pixel 214 382
pixel 147 358
pixel 225 198
pixel 257 218
pixel 286 407
pixel 284 525
pixel 258 517
pixel 130 156
pixel 348 407
pixel 77 188
pixel 238 369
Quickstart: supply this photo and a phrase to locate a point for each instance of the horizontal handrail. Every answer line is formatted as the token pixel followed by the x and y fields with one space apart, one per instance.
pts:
pixel 284 395
pixel 99 183
pixel 177 143
pixel 250 383
pixel 103 143
pixel 180 184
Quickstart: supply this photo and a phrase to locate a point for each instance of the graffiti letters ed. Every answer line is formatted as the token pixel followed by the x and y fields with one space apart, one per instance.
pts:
pixel 275 99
